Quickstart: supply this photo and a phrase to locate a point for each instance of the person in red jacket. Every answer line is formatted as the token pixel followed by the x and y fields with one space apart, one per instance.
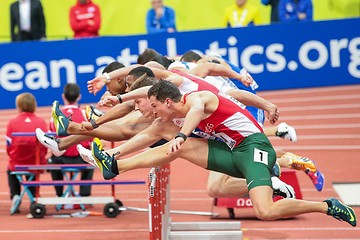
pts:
pixel 71 97
pixel 22 149
pixel 85 19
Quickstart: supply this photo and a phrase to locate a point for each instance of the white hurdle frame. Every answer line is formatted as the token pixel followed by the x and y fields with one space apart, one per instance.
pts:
pixel 162 228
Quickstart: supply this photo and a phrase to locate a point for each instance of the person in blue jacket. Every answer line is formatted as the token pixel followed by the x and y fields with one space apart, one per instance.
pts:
pixel 160 18
pixel 274 4
pixel 295 11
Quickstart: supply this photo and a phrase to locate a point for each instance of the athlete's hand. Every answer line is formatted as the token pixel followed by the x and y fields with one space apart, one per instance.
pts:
pixel 86 126
pixel 95 85
pixel 246 79
pixel 273 114
pixel 109 101
pixel 175 145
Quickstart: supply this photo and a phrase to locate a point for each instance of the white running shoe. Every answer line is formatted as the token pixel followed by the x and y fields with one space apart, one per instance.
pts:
pixel 86 155
pixel 49 141
pixel 287 132
pixel 282 189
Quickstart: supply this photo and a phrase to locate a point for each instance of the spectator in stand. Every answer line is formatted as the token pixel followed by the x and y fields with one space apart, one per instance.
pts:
pixel 71 97
pixel 160 18
pixel 22 149
pixel 295 10
pixel 27 21
pixel 85 19
pixel 241 14
pixel 274 4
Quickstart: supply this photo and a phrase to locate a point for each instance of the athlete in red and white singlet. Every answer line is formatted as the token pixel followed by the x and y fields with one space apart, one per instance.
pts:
pixel 220 123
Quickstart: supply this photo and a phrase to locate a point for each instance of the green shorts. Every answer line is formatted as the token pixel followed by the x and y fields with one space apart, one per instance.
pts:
pixel 252 159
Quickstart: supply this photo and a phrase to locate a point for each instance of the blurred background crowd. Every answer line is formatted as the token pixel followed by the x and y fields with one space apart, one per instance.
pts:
pixel 128 17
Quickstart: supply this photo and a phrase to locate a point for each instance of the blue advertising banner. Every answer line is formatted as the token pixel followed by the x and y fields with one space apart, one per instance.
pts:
pixel 279 56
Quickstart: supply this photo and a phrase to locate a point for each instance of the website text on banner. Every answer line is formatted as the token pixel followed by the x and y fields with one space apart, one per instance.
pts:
pixel 311 56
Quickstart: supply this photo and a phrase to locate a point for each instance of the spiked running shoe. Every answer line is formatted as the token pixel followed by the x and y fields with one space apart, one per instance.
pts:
pixel 301 163
pixel 61 122
pixel 92 112
pixel 317 179
pixel 287 132
pixel 282 189
pixel 309 167
pixel 103 159
pixel 340 211
pixel 50 142
pixel 86 155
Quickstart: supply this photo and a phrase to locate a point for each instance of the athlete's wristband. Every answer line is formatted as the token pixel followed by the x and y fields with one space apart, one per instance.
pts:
pixel 107 76
pixel 180 134
pixel 93 123
pixel 119 97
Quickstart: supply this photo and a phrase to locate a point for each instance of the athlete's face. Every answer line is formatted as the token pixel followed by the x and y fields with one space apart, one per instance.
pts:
pixel 161 109
pixel 116 86
pixel 144 107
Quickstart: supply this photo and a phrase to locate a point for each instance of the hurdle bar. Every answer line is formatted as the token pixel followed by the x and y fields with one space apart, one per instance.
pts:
pixel 162 228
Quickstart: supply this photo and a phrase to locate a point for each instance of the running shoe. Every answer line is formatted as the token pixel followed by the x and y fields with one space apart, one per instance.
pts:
pixel 49 142
pixel 103 159
pixel 282 189
pixel 317 179
pixel 61 122
pixel 276 170
pixel 287 132
pixel 92 112
pixel 341 211
pixel 301 163
pixel 86 155
pixel 309 167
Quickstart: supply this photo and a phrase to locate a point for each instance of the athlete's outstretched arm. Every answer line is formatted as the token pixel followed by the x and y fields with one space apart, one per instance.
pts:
pixel 96 84
pixel 250 99
pixel 195 150
pixel 213 69
pixel 118 111
pixel 155 132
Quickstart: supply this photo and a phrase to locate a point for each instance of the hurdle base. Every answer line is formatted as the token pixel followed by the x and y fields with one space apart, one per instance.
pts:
pixel 205 230
pixel 202 226
pixel 205 235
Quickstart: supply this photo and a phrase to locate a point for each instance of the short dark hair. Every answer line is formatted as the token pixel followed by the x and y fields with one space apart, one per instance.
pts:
pixel 141 70
pixel 71 92
pixel 165 89
pixel 113 66
pixel 143 81
pixel 152 55
pixel 190 56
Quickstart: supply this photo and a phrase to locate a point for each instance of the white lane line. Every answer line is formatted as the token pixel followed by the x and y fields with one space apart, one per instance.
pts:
pixel 76 230
pixel 325 116
pixel 317 147
pixel 342 136
pixel 320 107
pixel 311 90
pixel 326 136
pixel 322 126
pixel 313 99
pixel 302 229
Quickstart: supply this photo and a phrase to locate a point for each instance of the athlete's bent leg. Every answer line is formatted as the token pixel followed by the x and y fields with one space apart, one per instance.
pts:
pixel 222 185
pixel 194 150
pixel 266 209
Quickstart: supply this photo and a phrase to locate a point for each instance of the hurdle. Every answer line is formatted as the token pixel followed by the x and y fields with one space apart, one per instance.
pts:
pixel 162 228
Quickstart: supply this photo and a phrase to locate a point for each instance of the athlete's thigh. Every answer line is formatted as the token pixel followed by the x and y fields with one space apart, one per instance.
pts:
pixel 195 150
pixel 255 157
